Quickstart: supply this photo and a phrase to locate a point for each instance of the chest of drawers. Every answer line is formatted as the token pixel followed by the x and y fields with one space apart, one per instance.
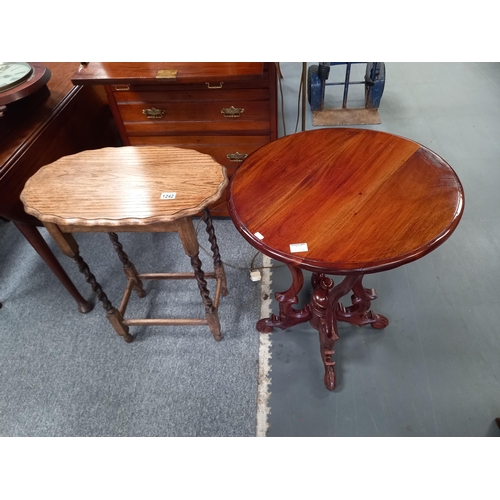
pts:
pixel 227 110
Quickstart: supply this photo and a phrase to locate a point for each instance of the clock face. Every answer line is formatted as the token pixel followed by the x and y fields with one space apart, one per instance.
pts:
pixel 13 74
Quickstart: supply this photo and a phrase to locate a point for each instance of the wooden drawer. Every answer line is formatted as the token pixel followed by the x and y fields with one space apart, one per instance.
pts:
pixel 196 128
pixel 188 93
pixel 229 151
pixel 177 117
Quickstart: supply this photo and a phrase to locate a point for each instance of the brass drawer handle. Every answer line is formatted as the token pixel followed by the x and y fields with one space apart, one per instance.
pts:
pixel 121 88
pixel 214 86
pixel 154 113
pixel 238 157
pixel 232 112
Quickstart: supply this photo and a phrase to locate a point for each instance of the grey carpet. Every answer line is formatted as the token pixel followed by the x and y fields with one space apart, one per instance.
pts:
pixel 67 374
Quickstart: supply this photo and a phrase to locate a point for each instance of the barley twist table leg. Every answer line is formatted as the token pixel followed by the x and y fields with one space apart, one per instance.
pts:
pixel 128 268
pixel 210 310
pixel 218 265
pixel 113 315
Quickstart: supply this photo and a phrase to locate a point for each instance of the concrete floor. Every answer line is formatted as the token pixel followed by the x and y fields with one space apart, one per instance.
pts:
pixel 435 370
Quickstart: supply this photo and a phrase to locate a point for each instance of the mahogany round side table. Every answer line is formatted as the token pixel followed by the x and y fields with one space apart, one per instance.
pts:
pixel 133 189
pixel 342 201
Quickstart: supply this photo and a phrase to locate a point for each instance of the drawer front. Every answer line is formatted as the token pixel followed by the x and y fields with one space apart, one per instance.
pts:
pixel 213 88
pixel 186 95
pixel 176 117
pixel 229 151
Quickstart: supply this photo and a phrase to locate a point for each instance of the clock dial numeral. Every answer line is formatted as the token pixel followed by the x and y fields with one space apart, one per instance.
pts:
pixel 13 74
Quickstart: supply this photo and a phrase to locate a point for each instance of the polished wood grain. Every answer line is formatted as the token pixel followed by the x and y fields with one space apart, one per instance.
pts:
pixel 190 105
pixel 116 73
pixel 363 201
pixel 118 187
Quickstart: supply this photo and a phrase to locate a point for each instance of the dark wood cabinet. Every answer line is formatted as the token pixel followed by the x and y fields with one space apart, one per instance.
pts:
pixel 226 110
pixel 58 119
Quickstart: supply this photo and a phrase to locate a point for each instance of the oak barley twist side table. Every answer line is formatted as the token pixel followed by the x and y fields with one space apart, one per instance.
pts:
pixel 342 201
pixel 133 189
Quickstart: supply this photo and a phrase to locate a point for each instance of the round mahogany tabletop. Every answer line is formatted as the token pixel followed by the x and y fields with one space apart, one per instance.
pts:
pixel 345 200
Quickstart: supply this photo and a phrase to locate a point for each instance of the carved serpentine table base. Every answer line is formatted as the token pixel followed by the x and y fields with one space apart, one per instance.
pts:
pixel 324 311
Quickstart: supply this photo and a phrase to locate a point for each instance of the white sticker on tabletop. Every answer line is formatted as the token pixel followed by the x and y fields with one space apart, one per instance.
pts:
pixel 298 247
pixel 168 196
pixel 259 235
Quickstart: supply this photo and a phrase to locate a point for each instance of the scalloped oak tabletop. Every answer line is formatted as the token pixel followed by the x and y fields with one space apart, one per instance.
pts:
pixel 351 200
pixel 124 186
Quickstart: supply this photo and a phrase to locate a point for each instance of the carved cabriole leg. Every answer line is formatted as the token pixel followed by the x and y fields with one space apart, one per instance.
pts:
pixel 288 316
pixel 69 247
pixel 189 241
pixel 328 331
pixel 359 313
pixel 128 268
pixel 218 265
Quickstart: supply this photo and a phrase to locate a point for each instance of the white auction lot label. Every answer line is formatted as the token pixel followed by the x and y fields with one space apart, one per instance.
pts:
pixel 168 196
pixel 298 247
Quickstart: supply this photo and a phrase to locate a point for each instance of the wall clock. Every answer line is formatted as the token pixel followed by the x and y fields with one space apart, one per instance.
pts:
pixel 21 79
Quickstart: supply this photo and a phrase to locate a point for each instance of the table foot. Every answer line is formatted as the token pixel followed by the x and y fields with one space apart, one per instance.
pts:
pixel 116 319
pixel 359 313
pixel 114 316
pixel 330 379
pixel 327 311
pixel 211 312
pixel 214 325
pixel 85 307
pixel 288 316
